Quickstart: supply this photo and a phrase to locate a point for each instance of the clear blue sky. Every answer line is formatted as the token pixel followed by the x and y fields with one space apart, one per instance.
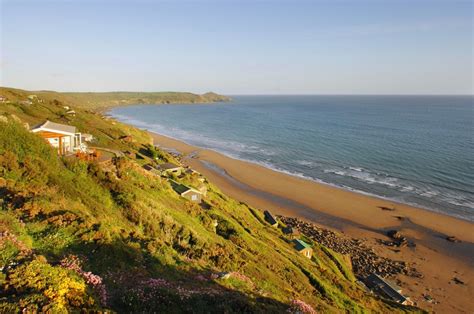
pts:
pixel 239 47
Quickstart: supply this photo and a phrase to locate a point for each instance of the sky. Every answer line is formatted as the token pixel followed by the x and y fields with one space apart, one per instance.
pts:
pixel 239 47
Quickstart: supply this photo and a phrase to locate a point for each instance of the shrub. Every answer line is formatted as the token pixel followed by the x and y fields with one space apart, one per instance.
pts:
pixel 225 229
pixel 48 288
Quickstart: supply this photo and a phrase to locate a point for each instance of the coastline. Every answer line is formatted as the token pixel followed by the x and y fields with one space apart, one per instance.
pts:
pixel 355 215
pixel 328 198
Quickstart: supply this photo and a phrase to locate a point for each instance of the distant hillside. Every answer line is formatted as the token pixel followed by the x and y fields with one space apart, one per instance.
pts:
pixel 98 101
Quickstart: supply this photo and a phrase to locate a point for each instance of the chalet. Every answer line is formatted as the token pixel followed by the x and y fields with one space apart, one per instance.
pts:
pixel 382 287
pixel 192 195
pixel 187 192
pixel 169 168
pixel 303 248
pixel 71 112
pixel 32 97
pixel 270 219
pixel 61 136
pixel 3 99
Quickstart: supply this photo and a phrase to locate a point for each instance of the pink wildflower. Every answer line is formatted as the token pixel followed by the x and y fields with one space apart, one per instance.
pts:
pixel 73 262
pixel 300 307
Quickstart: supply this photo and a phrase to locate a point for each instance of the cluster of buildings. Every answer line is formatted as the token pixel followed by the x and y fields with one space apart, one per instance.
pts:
pixel 374 282
pixel 299 245
pixel 67 140
pixel 26 102
pixel 171 170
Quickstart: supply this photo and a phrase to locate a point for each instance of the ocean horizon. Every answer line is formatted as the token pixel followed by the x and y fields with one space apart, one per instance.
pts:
pixel 414 149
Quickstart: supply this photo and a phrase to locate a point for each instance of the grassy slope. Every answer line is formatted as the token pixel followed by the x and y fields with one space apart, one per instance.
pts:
pixel 106 99
pixel 151 248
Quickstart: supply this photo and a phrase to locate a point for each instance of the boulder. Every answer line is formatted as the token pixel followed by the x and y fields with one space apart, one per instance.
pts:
pixel 394 234
pixel 453 239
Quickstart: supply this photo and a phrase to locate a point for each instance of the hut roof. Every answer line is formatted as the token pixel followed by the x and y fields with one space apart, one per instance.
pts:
pixel 301 245
pixel 181 188
pixel 168 166
pixel 55 127
pixel 376 282
pixel 269 218
pixel 149 167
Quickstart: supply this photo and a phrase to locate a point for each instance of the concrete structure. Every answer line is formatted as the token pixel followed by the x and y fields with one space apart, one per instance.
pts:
pixel 303 248
pixel 61 136
pixel 382 287
pixel 202 189
pixel 270 219
pixel 169 168
pixel 85 137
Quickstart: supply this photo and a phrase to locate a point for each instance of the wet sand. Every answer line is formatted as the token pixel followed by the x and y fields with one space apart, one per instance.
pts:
pixel 355 215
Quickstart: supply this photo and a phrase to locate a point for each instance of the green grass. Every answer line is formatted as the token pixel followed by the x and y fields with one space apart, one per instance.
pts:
pixel 152 248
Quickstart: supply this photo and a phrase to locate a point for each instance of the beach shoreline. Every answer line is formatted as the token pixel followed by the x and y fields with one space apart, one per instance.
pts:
pixel 225 166
pixel 355 215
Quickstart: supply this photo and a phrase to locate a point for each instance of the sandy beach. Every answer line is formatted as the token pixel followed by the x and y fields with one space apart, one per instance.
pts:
pixel 447 267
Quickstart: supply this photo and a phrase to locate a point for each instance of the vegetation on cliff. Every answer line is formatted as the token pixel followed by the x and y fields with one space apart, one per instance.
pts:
pixel 77 235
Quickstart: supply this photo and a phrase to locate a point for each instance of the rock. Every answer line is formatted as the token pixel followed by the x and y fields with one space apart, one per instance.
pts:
pixel 387 208
pixel 363 258
pixel 453 239
pixel 458 281
pixel 15 118
pixel 223 275
pixel 428 298
pixel 394 234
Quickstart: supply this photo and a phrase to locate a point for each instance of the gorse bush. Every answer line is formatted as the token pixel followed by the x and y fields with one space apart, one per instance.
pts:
pixel 40 287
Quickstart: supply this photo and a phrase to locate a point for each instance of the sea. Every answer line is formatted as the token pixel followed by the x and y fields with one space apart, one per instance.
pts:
pixel 417 150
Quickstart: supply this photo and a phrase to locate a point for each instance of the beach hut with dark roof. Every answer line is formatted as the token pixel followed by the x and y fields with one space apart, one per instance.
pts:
pixel 186 192
pixel 152 169
pixel 303 248
pixel 270 219
pixel 382 287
